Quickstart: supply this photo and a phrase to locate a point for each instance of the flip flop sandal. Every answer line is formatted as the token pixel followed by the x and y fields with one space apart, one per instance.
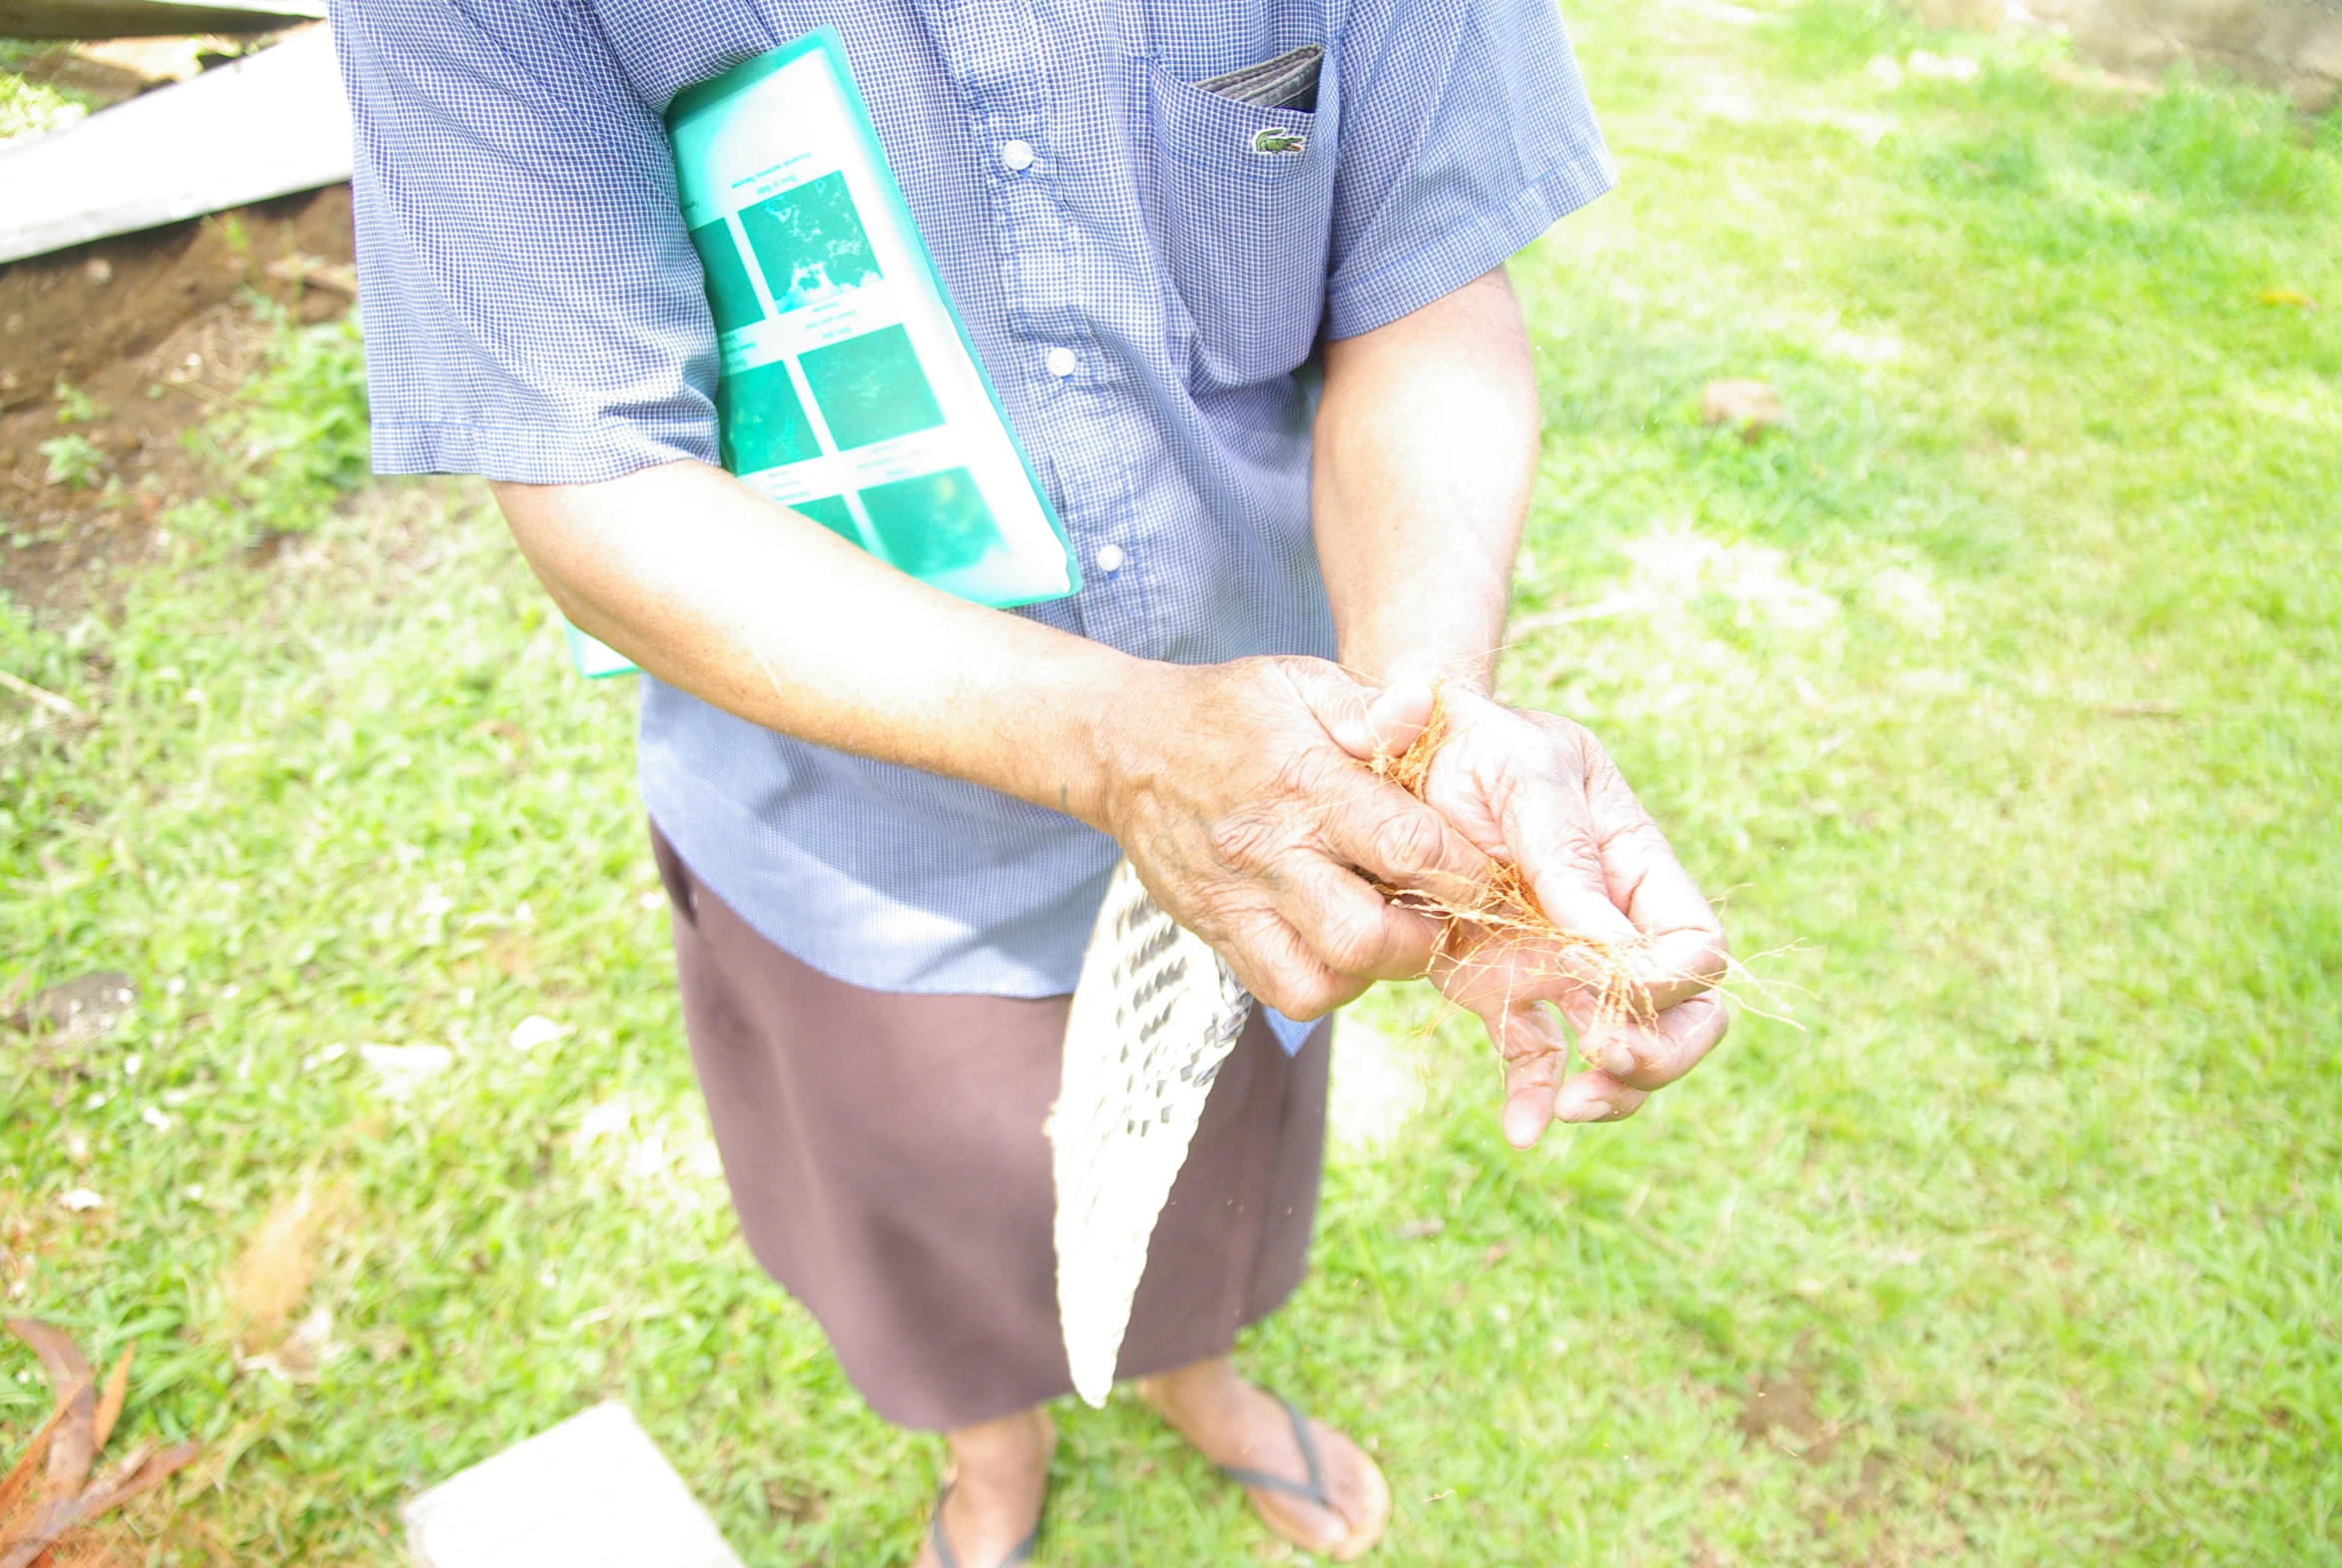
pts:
pixel 951 1559
pixel 1312 1491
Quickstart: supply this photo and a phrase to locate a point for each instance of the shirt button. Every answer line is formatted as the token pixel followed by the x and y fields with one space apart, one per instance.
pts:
pixel 1110 558
pixel 1017 155
pixel 1061 362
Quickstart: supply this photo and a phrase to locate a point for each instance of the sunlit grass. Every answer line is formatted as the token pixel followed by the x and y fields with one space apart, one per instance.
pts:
pixel 30 108
pixel 2000 685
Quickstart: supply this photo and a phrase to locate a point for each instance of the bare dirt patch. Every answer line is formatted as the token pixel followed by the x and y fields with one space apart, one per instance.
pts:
pixel 1780 1411
pixel 150 334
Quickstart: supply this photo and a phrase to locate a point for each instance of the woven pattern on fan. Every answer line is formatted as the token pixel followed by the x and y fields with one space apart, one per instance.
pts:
pixel 1155 1015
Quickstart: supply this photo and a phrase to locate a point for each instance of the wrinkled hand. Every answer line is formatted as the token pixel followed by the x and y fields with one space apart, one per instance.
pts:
pixel 1539 791
pixel 1235 791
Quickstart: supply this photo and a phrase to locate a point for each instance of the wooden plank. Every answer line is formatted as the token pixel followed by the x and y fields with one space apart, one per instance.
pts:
pixel 268 125
pixel 149 18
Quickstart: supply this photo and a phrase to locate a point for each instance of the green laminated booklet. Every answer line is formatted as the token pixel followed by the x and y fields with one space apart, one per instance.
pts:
pixel 847 388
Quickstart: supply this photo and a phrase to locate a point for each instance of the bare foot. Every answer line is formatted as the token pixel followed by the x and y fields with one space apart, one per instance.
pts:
pixel 1238 1425
pixel 993 1489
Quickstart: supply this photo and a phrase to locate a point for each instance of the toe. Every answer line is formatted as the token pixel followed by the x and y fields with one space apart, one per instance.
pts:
pixel 1311 1528
pixel 1359 1492
pixel 1354 1484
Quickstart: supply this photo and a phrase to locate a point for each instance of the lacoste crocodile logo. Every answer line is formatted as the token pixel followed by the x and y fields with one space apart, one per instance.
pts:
pixel 1281 142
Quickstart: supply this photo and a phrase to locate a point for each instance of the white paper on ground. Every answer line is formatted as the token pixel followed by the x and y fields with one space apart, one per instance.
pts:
pixel 592 1492
pixel 1154 1014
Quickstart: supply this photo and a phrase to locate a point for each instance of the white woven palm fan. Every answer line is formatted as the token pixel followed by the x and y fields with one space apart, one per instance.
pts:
pixel 1155 1014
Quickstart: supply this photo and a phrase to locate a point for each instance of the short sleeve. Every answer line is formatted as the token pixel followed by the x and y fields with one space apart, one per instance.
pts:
pixel 532 307
pixel 1465 134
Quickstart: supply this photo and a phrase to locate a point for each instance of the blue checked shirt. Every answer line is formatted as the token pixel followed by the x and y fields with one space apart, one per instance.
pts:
pixel 1140 281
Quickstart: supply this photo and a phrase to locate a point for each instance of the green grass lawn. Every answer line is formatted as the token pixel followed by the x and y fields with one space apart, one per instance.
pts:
pixel 1999 689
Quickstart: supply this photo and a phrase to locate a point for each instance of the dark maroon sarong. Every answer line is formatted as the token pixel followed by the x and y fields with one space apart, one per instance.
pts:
pixel 887 1157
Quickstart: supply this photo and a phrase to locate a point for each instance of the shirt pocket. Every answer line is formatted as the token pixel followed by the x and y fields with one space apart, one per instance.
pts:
pixel 1242 208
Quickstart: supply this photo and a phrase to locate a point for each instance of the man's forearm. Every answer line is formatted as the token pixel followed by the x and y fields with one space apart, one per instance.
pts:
pixel 1231 787
pixel 1427 442
pixel 768 616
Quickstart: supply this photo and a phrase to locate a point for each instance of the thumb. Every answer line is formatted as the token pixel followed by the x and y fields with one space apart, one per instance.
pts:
pixel 1365 721
pixel 1397 715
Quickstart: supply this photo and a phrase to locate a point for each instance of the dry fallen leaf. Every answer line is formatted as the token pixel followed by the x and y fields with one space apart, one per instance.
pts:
pixel 17 1485
pixel 1752 405
pixel 2292 297
pixel 70 1447
pixel 274 1271
pixel 110 1400
pixel 51 1528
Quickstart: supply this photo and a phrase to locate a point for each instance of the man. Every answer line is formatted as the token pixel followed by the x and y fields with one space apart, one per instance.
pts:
pixel 885 816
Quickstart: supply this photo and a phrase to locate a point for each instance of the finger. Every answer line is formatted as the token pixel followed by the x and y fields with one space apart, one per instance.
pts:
pixel 1683 949
pixel 1488 969
pixel 1349 927
pixel 1304 1000
pixel 1593 829
pixel 1654 1055
pixel 1397 715
pixel 1536 1093
pixel 1660 968
pixel 1594 1096
pixel 1363 720
pixel 1549 823
pixel 1536 1056
pixel 1365 822
pixel 1272 963
pixel 1648 882
pixel 1639 981
pixel 1676 965
pixel 1395 839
